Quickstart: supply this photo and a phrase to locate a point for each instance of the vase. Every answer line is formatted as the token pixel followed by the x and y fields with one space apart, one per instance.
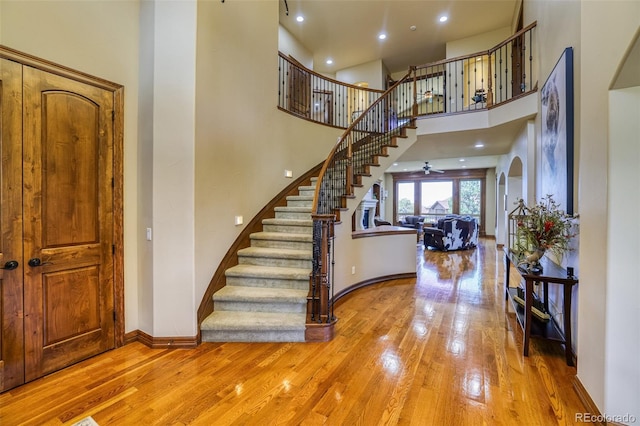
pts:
pixel 532 261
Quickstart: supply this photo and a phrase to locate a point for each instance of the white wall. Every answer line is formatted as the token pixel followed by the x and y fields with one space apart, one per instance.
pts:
pixel 477 43
pixel 243 142
pixel 173 169
pixel 185 150
pixel 373 73
pixel 490 205
pixel 289 45
pixel 100 38
pixel 622 344
pixel 600 55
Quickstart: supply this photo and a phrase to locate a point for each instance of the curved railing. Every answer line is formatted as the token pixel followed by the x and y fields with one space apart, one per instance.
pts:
pixel 366 139
pixel 373 119
pixel 317 98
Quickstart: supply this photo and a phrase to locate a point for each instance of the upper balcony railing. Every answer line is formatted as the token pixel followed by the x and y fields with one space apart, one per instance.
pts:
pixel 315 97
pixel 467 83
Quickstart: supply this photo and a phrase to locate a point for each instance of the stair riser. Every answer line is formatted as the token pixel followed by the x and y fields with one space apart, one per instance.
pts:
pixel 299 245
pixel 268 283
pixel 293 215
pixel 270 261
pixel 299 203
pixel 307 192
pixel 252 336
pixel 245 306
pixel 289 229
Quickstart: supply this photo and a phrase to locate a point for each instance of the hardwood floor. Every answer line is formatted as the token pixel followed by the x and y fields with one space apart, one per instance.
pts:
pixel 439 350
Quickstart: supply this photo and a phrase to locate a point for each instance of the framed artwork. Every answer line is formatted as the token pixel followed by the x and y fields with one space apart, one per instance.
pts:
pixel 556 138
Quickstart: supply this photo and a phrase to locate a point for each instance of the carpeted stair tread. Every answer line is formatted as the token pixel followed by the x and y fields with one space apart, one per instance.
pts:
pixel 260 295
pixel 298 209
pixel 276 253
pixel 278 272
pixel 233 320
pixel 289 222
pixel 281 236
pixel 300 198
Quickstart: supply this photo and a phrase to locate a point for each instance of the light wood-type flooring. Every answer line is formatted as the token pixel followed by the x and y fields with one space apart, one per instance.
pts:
pixel 439 350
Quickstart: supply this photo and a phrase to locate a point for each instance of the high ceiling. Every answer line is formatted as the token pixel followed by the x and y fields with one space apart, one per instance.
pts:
pixel 347 32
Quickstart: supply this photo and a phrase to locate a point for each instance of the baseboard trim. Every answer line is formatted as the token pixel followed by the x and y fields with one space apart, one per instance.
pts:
pixel 319 332
pixel 372 281
pixel 160 342
pixel 586 400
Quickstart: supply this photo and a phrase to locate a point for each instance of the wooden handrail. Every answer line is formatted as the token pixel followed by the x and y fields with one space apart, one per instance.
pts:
pixel 328 79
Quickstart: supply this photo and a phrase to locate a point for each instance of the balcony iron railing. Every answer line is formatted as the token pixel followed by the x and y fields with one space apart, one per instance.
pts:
pixel 468 83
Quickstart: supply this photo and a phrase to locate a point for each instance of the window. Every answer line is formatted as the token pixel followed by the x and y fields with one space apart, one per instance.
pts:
pixel 471 198
pixel 405 196
pixel 436 195
pixel 436 199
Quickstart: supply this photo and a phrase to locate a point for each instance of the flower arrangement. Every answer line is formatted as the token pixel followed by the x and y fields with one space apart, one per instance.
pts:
pixel 544 227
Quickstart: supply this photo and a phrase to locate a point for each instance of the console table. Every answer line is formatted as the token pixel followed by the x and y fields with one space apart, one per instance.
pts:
pixel 551 274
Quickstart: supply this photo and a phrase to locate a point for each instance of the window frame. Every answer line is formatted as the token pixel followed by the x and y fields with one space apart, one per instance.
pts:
pixel 456 176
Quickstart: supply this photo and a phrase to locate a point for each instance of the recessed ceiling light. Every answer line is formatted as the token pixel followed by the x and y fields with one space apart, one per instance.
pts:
pixel 461 160
pixel 382 36
pixel 413 28
pixel 395 164
pixel 479 145
pixel 443 18
pixel 329 61
pixel 300 18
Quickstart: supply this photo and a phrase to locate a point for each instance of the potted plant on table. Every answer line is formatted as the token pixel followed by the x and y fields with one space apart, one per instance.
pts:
pixel 544 227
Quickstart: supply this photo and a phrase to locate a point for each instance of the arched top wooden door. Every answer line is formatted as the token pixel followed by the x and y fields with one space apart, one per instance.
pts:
pixel 61 218
pixel 68 236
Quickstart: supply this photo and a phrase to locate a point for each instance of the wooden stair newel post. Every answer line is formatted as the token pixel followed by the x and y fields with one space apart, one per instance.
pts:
pixel 320 276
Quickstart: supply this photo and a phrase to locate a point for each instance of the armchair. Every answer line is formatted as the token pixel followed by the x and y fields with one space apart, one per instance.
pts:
pixel 452 233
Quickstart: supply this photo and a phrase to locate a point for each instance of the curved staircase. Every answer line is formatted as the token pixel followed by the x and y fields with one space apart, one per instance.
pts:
pixel 265 297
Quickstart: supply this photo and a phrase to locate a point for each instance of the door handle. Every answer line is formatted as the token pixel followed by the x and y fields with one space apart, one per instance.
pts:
pixel 10 265
pixel 36 261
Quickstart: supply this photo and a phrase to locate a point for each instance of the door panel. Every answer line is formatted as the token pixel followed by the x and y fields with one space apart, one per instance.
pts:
pixel 70 191
pixel 11 305
pixel 68 233
pixel 299 91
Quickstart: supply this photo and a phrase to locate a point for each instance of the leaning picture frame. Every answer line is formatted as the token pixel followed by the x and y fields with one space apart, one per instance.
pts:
pixel 555 150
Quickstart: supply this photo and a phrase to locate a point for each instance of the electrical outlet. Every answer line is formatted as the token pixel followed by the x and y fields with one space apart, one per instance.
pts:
pixel 353 270
pixel 238 220
pixel 288 173
pixel 149 234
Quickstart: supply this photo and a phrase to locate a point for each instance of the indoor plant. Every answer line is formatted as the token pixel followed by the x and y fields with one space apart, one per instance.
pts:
pixel 543 227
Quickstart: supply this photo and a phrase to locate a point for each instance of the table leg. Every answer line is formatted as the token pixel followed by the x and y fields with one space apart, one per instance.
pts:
pixel 507 270
pixel 528 303
pixel 567 324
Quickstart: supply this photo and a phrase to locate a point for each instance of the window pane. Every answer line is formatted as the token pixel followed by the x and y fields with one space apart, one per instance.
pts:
pixel 405 199
pixel 470 201
pixel 437 199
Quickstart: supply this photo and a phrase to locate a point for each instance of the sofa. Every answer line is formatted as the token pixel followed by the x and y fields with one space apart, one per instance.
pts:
pixel 415 222
pixel 453 232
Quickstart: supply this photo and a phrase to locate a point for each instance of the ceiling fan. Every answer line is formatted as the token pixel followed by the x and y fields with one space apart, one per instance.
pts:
pixel 428 169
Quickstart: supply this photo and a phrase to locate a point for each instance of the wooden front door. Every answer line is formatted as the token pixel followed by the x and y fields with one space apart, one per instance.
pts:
pixel 68 221
pixel 57 221
pixel 11 280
